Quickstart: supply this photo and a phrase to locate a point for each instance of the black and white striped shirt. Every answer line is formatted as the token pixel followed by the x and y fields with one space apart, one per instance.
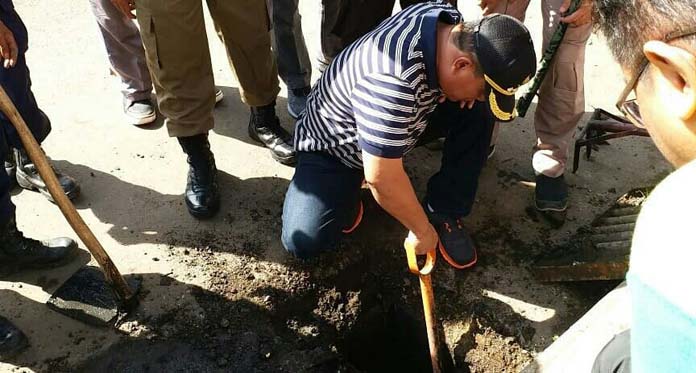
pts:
pixel 377 93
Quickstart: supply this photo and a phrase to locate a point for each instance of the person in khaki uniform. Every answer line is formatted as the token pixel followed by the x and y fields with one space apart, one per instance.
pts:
pixel 176 48
pixel 561 96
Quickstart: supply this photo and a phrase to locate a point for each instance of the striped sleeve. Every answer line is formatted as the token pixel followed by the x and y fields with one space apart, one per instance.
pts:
pixel 384 107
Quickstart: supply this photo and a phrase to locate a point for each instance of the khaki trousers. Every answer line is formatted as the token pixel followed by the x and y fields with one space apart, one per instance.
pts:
pixel 176 47
pixel 562 94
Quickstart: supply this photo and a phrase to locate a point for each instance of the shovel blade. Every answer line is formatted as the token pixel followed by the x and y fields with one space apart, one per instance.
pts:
pixel 87 297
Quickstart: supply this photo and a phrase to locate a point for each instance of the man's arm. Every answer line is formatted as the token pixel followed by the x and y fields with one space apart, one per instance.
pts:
pixel 8 47
pixel 392 189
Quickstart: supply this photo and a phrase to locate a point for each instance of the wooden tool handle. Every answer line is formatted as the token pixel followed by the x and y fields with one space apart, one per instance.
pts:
pixel 111 273
pixel 427 295
pixel 430 321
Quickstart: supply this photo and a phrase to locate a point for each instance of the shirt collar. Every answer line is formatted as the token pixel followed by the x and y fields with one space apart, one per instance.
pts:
pixel 429 41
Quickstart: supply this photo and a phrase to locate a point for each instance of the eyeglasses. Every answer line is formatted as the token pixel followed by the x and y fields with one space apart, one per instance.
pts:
pixel 629 107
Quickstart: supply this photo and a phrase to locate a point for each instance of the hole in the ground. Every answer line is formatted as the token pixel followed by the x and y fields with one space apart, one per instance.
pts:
pixel 391 339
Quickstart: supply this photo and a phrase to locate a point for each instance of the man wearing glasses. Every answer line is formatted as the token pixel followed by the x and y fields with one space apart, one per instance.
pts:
pixel 655 43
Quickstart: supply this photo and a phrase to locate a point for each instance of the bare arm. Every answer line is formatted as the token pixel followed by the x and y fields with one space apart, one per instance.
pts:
pixel 392 189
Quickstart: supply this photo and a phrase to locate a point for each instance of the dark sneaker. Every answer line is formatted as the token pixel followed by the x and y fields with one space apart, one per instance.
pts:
pixel 202 194
pixel 551 193
pixel 28 178
pixel 264 127
pixel 18 252
pixel 140 112
pixel 297 101
pixel 356 221
pixel 491 151
pixel 551 198
pixel 12 340
pixel 218 96
pixel 456 245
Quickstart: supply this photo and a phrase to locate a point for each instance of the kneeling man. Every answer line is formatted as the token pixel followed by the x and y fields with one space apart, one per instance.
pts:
pixel 422 74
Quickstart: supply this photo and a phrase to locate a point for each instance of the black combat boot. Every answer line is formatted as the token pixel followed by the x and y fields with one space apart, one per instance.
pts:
pixel 18 252
pixel 264 127
pixel 202 196
pixel 12 340
pixel 28 178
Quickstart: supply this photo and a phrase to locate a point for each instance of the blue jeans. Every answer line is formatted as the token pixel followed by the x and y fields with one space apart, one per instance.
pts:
pixel 324 194
pixel 17 84
pixel 289 46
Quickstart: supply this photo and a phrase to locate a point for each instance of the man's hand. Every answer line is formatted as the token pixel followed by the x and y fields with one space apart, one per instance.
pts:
pixel 489 6
pixel 424 242
pixel 126 7
pixel 580 17
pixel 8 47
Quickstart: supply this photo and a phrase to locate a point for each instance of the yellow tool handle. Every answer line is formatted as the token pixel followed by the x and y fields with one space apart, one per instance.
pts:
pixel 412 259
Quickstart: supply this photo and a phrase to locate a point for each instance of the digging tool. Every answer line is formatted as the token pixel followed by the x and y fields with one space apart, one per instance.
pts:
pixel 428 297
pixel 74 302
pixel 601 127
pixel 556 39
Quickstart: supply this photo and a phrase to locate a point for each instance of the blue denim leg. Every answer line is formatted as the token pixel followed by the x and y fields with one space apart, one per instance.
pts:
pixel 321 201
pixel 289 44
pixel 452 190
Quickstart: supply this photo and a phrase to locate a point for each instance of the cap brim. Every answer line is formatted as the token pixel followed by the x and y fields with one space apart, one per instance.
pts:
pixel 502 106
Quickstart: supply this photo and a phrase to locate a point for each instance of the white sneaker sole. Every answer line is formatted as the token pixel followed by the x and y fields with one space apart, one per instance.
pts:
pixel 141 121
pixel 219 96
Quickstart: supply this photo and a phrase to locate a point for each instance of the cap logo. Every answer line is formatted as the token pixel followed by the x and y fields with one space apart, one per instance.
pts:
pixel 501 90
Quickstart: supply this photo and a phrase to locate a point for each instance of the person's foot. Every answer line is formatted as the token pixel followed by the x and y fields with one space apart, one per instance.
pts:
pixel 551 198
pixel 28 178
pixel 456 245
pixel 18 252
pixel 10 168
pixel 218 95
pixel 202 196
pixel 139 112
pixel 264 127
pixel 12 340
pixel 297 101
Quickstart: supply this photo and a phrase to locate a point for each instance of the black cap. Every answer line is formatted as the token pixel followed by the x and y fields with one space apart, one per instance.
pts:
pixel 506 54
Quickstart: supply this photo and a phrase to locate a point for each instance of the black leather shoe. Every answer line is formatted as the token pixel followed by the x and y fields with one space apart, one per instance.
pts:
pixel 28 178
pixel 264 127
pixel 10 168
pixel 12 340
pixel 202 195
pixel 18 252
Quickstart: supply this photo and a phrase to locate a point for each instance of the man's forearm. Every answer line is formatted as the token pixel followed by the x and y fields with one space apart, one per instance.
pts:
pixel 396 195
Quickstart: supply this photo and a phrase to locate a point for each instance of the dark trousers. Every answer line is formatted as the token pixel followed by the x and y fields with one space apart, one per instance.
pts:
pixel 17 84
pixel 344 21
pixel 324 194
